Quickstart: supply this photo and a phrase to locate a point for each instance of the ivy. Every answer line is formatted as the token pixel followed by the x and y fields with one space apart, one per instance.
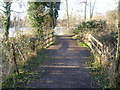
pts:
pixel 43 14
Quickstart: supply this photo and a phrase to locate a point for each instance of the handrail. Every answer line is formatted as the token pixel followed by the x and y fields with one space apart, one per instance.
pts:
pixel 45 38
pixel 96 45
pixel 99 43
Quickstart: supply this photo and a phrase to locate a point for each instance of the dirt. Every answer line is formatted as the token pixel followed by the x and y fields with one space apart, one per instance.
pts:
pixel 65 68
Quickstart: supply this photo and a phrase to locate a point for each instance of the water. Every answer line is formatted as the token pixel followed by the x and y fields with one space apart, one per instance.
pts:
pixel 13 31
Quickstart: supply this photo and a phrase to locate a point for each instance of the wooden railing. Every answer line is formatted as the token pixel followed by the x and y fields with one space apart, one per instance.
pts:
pixel 43 41
pixel 48 39
pixel 95 45
pixel 103 53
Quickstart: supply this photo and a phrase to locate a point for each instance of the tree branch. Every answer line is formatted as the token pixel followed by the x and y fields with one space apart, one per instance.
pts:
pixel 2 10
pixel 17 11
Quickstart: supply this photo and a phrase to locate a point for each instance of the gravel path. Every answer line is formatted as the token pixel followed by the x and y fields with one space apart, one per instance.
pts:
pixel 65 67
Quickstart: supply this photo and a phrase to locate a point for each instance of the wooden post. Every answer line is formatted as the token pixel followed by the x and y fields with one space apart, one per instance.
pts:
pixel 21 53
pixel 14 59
pixel 42 42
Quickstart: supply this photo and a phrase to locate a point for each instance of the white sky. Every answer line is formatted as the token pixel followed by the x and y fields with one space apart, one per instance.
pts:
pixel 75 7
pixel 101 7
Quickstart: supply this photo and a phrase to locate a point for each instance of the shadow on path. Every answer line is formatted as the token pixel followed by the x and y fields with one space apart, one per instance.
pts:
pixel 66 67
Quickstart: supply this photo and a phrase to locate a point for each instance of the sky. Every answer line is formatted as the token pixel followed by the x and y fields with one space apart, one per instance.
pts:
pixel 76 7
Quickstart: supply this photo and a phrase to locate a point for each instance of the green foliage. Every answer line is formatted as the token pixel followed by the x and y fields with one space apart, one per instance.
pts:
pixel 6 21
pixel 27 71
pixel 90 25
pixel 81 44
pixel 26 46
pixel 43 14
pixel 109 38
pixel 98 74
pixel 36 15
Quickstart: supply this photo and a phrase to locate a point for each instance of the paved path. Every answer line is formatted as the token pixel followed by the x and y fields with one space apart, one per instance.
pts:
pixel 66 67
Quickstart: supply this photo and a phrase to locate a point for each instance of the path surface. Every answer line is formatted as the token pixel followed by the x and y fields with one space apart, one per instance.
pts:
pixel 66 67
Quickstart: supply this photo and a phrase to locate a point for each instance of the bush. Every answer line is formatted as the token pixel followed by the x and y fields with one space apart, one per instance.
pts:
pixel 109 38
pixel 89 25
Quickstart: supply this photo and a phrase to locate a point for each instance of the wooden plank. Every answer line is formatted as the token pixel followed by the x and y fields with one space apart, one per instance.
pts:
pixel 91 38
pixel 97 41
pixel 46 37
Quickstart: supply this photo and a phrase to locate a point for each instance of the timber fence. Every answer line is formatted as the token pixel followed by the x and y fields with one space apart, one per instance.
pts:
pixel 104 54
pixel 21 49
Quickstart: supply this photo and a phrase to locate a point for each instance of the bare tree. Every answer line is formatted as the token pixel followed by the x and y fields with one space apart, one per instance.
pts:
pixel 68 20
pixel 85 10
pixel 92 9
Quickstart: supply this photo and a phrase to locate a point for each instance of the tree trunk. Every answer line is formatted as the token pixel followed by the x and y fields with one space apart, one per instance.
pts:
pixel 7 20
pixel 117 62
pixel 68 20
pixel 85 10
pixel 52 15
pixel 92 9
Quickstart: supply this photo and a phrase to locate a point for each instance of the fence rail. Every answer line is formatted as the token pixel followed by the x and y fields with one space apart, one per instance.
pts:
pixel 46 37
pixel 17 51
pixel 104 54
pixel 95 44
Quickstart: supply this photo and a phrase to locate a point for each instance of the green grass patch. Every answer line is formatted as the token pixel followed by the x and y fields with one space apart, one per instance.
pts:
pixel 27 71
pixel 98 74
pixel 55 43
pixel 81 43
pixel 75 36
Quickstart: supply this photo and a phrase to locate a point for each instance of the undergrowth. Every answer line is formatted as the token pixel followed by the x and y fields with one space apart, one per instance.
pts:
pixel 80 42
pixel 27 70
pixel 97 73
pixel 95 67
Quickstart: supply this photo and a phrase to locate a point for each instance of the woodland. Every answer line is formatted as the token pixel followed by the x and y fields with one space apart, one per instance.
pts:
pixel 101 34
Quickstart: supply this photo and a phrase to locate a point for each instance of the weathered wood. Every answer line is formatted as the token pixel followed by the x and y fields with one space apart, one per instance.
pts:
pixel 47 38
pixel 21 53
pixel 96 47
pixel 99 43
pixel 14 59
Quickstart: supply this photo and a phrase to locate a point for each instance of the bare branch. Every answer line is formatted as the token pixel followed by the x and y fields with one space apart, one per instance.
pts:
pixel 2 3
pixel 2 10
pixel 17 11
